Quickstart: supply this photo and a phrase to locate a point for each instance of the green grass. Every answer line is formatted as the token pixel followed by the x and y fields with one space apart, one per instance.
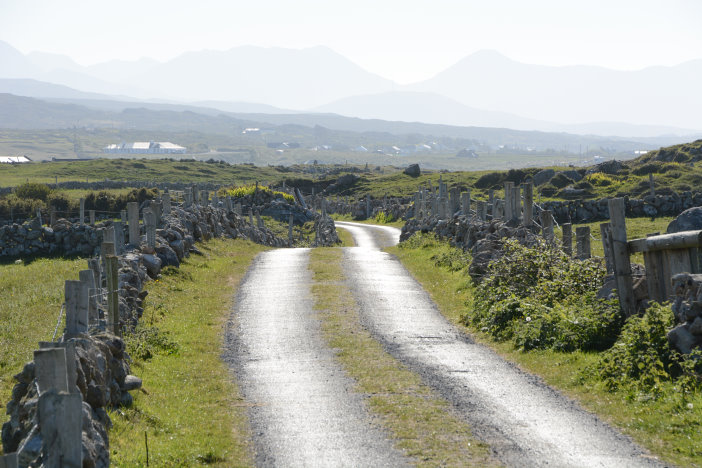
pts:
pixel 636 228
pixel 345 237
pixel 192 410
pixel 666 426
pixel 420 422
pixel 32 295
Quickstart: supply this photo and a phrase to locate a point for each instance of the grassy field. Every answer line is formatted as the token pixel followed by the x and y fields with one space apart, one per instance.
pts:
pixel 32 295
pixel 422 424
pixel 668 426
pixel 191 410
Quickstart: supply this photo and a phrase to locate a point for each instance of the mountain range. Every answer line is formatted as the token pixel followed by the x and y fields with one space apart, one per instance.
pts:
pixel 484 89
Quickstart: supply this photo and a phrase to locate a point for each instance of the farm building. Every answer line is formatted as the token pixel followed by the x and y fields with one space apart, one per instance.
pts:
pixel 14 159
pixel 145 147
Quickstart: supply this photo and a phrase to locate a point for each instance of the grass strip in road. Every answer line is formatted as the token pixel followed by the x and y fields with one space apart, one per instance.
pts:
pixel 192 412
pixel 668 426
pixel 421 423
pixel 345 237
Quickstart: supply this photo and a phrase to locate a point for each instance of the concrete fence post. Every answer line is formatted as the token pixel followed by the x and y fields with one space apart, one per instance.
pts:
pixel 50 369
pixel 150 227
pixel 509 211
pixel 251 216
pixel 91 213
pixel 111 272
pixel 516 203
pixel 491 202
pixel 133 223
pixel 77 298
pixel 61 420
pixel 465 203
pixel 118 229
pixel 108 234
pixel 546 218
pixel 41 223
pixel 528 203
pixel 567 239
pixel 166 201
pixel 88 277
pixel 123 216
pixel 582 238
pixel 71 368
pixel 52 216
pixel 8 460
pixel 480 208
pixel 650 183
pixel 81 218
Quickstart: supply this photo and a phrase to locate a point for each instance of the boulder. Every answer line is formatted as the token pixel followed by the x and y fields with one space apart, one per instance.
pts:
pixel 688 220
pixel 413 170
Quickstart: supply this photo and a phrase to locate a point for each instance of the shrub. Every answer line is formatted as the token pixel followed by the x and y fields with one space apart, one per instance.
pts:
pixel 642 358
pixel 59 201
pixel 561 180
pixel 600 179
pixel 541 298
pixel 490 180
pixel 384 218
pixel 32 191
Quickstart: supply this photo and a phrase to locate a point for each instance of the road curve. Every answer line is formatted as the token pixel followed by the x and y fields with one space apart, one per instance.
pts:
pixel 524 421
pixel 303 410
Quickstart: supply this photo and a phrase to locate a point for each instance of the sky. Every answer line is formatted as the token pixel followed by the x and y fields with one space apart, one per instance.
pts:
pixel 403 40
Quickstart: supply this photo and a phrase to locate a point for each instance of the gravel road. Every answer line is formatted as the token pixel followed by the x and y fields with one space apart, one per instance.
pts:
pixel 525 422
pixel 303 409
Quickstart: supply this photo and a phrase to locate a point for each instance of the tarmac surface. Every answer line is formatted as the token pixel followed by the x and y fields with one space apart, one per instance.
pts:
pixel 525 422
pixel 303 409
pixel 304 412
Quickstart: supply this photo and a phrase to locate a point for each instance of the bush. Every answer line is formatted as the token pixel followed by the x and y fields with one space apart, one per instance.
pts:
pixel 490 180
pixel 32 191
pixel 384 218
pixel 541 298
pixel 59 202
pixel 561 180
pixel 642 358
pixel 600 179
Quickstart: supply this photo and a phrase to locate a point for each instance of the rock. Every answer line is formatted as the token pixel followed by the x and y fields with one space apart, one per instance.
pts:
pixel 681 339
pixel 688 220
pixel 413 170
pixel 544 176
pixel 152 264
pixel 696 327
pixel 131 382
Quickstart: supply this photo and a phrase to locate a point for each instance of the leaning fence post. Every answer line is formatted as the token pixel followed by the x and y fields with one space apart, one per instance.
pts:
pixel 582 239
pixel 620 251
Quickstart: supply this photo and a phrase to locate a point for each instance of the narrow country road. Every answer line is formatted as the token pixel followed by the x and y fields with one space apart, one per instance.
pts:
pixel 524 421
pixel 303 411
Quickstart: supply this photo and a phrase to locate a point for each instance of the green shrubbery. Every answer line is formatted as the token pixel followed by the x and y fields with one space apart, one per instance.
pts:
pixel 32 191
pixel 250 190
pixel 384 218
pixel 542 299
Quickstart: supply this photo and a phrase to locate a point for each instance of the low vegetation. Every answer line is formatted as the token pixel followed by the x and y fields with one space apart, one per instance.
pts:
pixel 421 422
pixel 623 371
pixel 191 411
pixel 32 295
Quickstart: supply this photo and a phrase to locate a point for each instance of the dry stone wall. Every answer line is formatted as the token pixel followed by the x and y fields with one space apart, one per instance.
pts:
pixel 58 405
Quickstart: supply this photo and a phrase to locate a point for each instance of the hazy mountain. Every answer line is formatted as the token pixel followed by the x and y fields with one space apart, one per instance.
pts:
pixel 571 95
pixel 424 107
pixel 15 64
pixel 42 89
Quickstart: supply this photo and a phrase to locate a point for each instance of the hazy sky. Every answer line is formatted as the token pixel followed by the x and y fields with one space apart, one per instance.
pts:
pixel 404 40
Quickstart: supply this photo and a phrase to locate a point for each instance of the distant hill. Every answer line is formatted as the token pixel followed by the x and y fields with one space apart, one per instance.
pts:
pixel 574 94
pixel 18 112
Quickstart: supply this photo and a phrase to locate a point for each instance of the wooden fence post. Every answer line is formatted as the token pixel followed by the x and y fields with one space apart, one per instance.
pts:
pixel 606 234
pixel 620 251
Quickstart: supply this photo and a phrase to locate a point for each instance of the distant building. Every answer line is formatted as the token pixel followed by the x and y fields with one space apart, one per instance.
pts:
pixel 14 159
pixel 145 147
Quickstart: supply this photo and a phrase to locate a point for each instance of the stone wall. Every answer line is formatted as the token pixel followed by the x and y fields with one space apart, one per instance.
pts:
pixel 96 364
